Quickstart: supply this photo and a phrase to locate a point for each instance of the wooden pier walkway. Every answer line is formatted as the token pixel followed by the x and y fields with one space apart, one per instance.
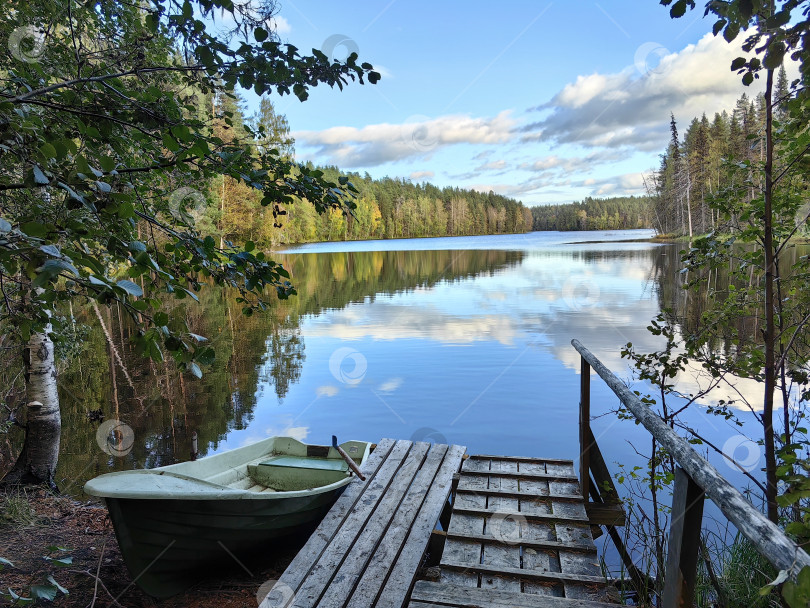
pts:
pixel 518 535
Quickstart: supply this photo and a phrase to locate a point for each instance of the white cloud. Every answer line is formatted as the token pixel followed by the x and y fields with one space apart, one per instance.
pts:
pixel 391 385
pixel 280 25
pixel 417 176
pixel 618 185
pixel 326 391
pixel 425 323
pixel 381 143
pixel 496 165
pixel 631 108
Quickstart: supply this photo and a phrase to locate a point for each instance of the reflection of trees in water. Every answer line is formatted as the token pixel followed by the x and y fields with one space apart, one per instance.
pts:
pixel 688 307
pixel 164 407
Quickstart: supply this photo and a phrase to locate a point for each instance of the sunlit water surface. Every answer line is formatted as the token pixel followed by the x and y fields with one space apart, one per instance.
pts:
pixel 461 340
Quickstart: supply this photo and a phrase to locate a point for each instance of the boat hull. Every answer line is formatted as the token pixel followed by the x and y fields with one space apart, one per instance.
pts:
pixel 168 545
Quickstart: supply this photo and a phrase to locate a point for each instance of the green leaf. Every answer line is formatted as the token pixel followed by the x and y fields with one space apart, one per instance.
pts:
pixel 738 63
pixel 678 9
pixel 47 150
pixel 62 562
pixel 260 34
pixel 161 318
pixel 107 163
pixel 250 246
pixel 778 19
pixel 131 288
pixel 195 369
pixel 39 177
pixel 35 229
pixel 44 592
pixel 53 582
pixel 4 226
pixel 5 562
pixel 774 55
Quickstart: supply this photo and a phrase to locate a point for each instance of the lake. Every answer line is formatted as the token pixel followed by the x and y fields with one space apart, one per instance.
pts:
pixel 464 340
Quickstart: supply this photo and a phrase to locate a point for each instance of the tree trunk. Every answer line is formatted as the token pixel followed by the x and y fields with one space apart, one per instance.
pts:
pixel 770 328
pixel 37 461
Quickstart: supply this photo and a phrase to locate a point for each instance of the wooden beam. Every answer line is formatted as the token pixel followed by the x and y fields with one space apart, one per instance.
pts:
pixel 684 542
pixel 426 593
pixel 525 475
pixel 526 542
pixel 522 459
pixel 605 514
pixel 600 472
pixel 544 517
pixel 520 494
pixel 585 435
pixel 529 575
pixel 767 537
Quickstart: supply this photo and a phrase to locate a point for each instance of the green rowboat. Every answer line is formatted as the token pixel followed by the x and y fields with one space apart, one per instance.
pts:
pixel 178 523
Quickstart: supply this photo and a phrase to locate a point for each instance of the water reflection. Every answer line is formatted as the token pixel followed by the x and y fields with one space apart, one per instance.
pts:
pixel 259 360
pixel 472 345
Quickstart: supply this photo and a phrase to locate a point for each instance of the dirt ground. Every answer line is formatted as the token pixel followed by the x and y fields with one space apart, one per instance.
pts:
pixel 97 576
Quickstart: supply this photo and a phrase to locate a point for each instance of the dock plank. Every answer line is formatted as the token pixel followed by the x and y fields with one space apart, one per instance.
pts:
pixel 350 569
pixel 366 551
pixel 429 594
pixel 401 575
pixel 536 547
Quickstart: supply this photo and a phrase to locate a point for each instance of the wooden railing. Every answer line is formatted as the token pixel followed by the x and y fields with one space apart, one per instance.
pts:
pixel 695 478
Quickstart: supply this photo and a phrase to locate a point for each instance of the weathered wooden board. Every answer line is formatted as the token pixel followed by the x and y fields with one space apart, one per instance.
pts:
pixel 401 575
pixel 367 550
pixel 535 541
pixel 428 594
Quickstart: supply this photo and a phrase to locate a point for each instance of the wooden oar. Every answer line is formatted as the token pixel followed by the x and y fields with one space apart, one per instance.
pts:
pixel 347 458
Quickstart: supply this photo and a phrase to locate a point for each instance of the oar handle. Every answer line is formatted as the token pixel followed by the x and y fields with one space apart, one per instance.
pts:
pixel 347 458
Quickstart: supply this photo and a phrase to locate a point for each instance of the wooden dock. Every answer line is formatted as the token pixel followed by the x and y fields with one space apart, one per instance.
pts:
pixel 518 535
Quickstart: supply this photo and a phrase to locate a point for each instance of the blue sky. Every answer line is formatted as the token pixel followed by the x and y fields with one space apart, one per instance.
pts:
pixel 543 101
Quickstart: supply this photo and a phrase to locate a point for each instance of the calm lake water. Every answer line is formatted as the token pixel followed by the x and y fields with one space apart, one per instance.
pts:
pixel 464 340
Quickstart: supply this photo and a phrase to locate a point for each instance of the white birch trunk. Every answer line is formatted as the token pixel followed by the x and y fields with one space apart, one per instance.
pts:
pixel 40 453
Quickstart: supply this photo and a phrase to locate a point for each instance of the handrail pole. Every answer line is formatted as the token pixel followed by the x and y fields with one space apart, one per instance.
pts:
pixel 584 428
pixel 684 542
pixel 768 539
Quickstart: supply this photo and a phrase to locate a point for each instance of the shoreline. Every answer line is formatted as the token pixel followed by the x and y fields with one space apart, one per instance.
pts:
pixel 96 571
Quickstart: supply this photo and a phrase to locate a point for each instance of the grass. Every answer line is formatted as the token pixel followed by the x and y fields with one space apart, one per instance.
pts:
pixel 16 510
pixel 741 572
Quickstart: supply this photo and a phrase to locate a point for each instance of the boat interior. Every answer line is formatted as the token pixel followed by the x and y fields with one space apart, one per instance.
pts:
pixel 288 468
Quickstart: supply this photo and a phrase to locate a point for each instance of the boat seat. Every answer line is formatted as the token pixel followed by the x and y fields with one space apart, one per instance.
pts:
pixel 286 473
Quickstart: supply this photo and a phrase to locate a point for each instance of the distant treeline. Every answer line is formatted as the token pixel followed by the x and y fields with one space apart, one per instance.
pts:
pixel 618 213
pixel 386 208
pixel 396 208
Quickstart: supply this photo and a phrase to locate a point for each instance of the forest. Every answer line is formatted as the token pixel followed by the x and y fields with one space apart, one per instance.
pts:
pixel 694 170
pixel 383 208
pixel 616 213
